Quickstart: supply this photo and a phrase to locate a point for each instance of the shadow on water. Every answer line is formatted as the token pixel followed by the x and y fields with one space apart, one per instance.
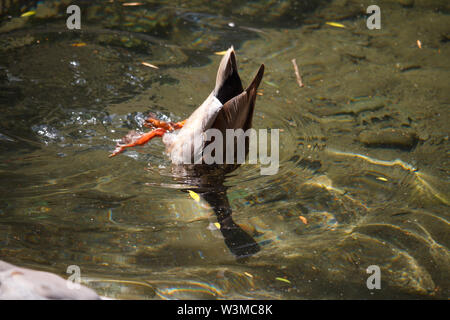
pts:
pixel 209 184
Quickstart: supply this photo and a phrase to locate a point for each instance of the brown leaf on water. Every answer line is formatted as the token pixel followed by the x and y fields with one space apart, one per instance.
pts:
pixel 303 219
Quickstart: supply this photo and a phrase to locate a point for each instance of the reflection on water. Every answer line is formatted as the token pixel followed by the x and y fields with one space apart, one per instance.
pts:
pixel 363 176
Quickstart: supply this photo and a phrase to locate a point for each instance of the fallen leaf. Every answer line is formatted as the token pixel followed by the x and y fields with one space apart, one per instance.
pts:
pixel 132 4
pixel 149 65
pixel 282 279
pixel 271 84
pixel 217 225
pixel 194 195
pixel 28 13
pixel 221 53
pixel 303 219
pixel 335 24
pixel 80 44
pixel 419 44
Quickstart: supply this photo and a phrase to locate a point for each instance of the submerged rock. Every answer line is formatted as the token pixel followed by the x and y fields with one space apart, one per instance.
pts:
pixel 398 138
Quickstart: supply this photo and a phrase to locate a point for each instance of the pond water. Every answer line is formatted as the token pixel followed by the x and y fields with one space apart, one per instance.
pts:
pixel 364 152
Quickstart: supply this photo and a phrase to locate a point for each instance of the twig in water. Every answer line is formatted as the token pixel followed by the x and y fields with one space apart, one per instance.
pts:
pixel 297 74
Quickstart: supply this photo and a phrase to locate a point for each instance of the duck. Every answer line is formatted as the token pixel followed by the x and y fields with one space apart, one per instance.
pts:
pixel 228 106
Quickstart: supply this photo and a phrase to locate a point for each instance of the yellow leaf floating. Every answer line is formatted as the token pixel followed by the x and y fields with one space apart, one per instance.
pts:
pixel 217 225
pixel 335 24
pixel 80 44
pixel 282 279
pixel 194 195
pixel 28 13
pixel 382 179
pixel 221 53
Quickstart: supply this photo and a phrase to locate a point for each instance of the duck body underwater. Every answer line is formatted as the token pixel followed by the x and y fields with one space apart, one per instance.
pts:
pixel 228 106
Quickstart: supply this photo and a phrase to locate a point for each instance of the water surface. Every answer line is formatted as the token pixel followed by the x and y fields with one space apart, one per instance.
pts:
pixel 364 151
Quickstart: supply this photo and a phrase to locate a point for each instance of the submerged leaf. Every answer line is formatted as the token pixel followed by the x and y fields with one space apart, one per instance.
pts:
pixel 132 4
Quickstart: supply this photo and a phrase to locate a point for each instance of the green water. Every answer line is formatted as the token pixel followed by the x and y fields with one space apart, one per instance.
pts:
pixel 364 150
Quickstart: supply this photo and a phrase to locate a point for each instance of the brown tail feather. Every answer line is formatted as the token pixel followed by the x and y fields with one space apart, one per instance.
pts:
pixel 257 80
pixel 228 82
pixel 251 91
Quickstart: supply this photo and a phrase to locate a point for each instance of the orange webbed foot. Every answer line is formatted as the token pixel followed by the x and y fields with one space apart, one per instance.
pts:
pixel 152 122
pixel 179 125
pixel 133 139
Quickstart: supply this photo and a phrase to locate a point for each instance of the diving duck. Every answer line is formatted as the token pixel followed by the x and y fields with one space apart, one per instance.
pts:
pixel 228 106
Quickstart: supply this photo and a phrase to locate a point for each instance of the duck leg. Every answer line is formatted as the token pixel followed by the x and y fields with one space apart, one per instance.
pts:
pixel 169 125
pixel 133 139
